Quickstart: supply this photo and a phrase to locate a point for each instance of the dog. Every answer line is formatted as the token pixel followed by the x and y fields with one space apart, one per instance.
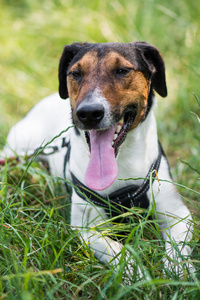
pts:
pixel 112 136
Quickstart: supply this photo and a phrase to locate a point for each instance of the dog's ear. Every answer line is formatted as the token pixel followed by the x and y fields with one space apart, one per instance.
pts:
pixel 68 54
pixel 156 65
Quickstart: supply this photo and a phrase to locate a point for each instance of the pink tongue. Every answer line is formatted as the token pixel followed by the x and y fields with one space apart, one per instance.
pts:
pixel 102 169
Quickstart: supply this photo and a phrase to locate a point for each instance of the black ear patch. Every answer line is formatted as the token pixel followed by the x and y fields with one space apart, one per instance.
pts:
pixel 68 54
pixel 156 64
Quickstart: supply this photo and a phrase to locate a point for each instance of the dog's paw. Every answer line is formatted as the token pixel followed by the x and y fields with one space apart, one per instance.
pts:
pixel 134 271
pixel 177 263
pixel 179 267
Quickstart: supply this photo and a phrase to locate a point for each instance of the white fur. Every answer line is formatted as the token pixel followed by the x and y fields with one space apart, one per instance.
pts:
pixel 48 118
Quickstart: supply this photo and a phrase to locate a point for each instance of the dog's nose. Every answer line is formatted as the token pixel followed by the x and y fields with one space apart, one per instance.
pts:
pixel 90 114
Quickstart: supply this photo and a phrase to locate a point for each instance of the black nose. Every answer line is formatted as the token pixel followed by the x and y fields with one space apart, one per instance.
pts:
pixel 90 114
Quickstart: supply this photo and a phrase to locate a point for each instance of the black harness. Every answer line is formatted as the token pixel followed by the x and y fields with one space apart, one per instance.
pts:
pixel 122 199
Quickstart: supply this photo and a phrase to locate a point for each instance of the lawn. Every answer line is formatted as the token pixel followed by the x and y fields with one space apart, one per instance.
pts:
pixel 41 257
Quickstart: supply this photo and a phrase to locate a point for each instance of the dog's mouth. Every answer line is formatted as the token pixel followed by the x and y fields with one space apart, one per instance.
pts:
pixel 104 146
pixel 122 128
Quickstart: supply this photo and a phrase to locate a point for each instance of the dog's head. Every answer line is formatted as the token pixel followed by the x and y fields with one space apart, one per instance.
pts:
pixel 108 86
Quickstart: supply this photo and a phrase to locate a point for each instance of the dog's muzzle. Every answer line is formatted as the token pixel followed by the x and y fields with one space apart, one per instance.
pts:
pixel 104 132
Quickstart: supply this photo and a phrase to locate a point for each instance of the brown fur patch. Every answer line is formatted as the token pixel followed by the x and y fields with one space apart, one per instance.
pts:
pixel 78 89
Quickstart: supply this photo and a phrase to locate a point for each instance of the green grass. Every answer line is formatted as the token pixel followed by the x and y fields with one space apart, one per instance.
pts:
pixel 41 257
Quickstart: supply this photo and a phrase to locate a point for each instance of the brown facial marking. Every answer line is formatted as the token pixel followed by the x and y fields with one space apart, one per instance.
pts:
pixel 131 89
pixel 106 73
pixel 79 87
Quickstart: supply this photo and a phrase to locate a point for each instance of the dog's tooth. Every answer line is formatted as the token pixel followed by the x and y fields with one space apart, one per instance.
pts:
pixel 121 121
pixel 118 128
pixel 115 136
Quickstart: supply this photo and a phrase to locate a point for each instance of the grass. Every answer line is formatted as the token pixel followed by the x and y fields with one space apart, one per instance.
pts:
pixel 41 257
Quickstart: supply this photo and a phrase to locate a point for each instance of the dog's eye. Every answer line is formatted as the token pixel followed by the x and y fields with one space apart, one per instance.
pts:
pixel 122 71
pixel 76 74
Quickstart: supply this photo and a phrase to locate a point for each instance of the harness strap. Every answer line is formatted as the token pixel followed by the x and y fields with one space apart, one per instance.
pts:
pixel 126 197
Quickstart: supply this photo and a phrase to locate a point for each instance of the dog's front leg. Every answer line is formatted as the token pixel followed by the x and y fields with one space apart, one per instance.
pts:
pixel 90 220
pixel 87 219
pixel 176 228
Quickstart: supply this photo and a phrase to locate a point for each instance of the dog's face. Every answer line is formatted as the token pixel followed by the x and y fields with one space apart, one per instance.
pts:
pixel 108 86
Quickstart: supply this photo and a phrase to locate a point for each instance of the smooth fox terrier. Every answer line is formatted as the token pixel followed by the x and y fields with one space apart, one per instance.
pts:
pixel 113 136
